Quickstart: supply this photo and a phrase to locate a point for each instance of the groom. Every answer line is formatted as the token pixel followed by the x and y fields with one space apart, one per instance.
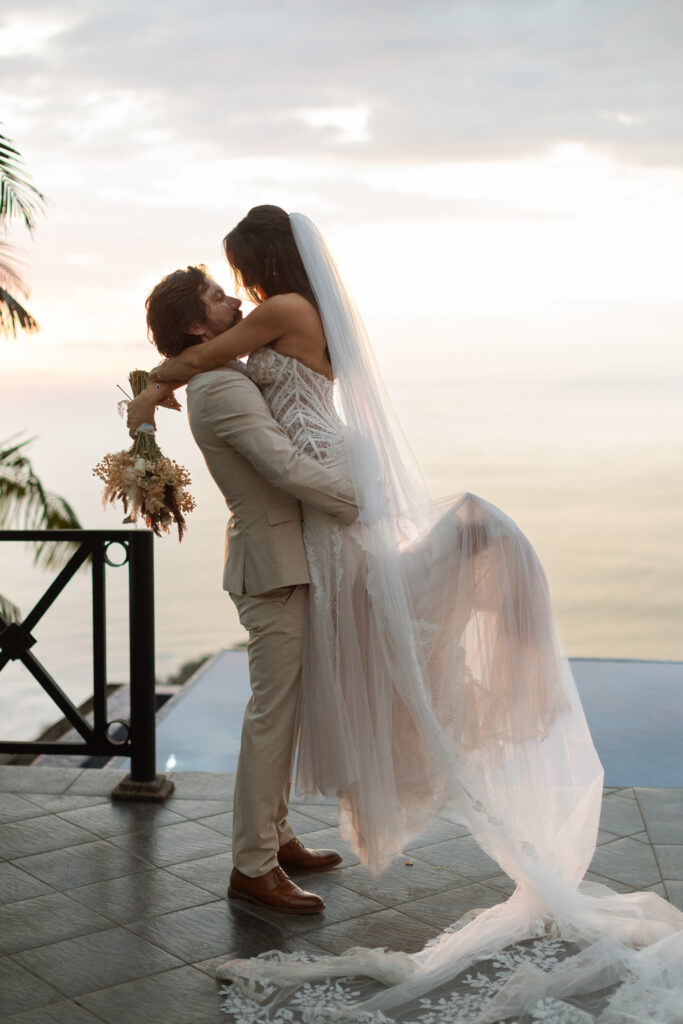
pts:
pixel 263 478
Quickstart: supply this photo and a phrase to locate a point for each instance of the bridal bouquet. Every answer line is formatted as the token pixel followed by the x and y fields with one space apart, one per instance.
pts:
pixel 147 482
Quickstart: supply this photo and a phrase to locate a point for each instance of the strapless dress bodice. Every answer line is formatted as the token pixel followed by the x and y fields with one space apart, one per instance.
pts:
pixel 302 402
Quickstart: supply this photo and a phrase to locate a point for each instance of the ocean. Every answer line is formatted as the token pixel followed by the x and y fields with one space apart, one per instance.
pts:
pixel 587 461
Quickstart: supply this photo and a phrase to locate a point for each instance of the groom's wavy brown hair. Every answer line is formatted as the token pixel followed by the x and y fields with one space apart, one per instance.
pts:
pixel 263 255
pixel 173 305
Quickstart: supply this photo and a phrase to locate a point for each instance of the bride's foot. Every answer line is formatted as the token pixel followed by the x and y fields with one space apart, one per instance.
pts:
pixel 295 855
pixel 275 891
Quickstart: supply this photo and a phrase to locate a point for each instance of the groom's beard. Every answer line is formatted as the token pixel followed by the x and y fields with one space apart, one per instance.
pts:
pixel 214 326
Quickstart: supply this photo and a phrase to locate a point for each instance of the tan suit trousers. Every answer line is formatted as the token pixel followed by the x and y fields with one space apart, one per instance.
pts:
pixel 275 623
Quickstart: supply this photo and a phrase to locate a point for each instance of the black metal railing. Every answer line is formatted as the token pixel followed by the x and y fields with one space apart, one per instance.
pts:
pixel 17 643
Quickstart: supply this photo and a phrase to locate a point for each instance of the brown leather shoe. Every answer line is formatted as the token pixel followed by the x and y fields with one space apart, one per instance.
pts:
pixel 275 891
pixel 295 855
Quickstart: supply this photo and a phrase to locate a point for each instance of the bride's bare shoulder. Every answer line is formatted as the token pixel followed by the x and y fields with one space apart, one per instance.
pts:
pixel 300 333
pixel 298 320
pixel 291 307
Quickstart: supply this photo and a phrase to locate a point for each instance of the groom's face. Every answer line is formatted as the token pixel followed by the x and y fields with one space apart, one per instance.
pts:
pixel 222 311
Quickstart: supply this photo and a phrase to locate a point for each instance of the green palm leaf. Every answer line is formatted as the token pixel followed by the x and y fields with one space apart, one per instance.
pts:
pixel 26 505
pixel 13 315
pixel 11 268
pixel 12 312
pixel 19 197
pixel 9 611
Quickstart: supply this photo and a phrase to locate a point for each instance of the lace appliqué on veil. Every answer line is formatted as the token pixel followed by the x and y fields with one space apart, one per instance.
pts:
pixel 331 1000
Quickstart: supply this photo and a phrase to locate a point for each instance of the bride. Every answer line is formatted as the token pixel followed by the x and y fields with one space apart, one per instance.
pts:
pixel 432 676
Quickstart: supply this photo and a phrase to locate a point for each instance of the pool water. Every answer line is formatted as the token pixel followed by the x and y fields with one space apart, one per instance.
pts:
pixel 634 710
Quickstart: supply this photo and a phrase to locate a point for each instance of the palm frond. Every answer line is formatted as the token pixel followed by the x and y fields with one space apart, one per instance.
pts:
pixel 13 315
pixel 19 197
pixel 26 505
pixel 59 515
pixel 11 268
pixel 8 610
pixel 15 445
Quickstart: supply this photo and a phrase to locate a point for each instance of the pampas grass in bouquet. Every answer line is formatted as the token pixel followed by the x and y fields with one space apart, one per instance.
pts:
pixel 144 480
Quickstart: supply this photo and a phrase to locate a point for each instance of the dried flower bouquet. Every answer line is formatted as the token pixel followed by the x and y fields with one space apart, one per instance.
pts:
pixel 148 484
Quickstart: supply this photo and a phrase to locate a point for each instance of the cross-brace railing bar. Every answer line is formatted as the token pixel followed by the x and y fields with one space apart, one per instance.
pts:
pixel 16 641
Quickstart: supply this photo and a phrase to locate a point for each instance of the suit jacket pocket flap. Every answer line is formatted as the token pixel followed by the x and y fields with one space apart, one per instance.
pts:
pixel 286 514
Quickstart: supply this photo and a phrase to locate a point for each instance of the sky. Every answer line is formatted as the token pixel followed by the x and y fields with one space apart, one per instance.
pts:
pixel 461 156
pixel 500 180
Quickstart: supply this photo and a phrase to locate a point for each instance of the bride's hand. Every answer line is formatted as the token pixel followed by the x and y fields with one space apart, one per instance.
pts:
pixel 167 372
pixel 170 402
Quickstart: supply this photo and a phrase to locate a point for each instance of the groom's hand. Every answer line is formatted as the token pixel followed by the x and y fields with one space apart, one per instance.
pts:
pixel 143 408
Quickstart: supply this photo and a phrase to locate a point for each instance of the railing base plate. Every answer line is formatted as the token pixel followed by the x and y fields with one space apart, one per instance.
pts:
pixel 155 791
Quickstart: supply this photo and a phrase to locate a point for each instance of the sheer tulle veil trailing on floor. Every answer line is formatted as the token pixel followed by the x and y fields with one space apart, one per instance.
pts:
pixel 469 703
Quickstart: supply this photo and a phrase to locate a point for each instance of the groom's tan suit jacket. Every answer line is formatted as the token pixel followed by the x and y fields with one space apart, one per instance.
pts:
pixel 263 477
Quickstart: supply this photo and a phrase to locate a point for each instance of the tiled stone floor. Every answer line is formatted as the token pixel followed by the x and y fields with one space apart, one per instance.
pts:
pixel 117 913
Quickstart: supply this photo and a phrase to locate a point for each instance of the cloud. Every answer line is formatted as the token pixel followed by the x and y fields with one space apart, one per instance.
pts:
pixel 443 80
pixel 153 127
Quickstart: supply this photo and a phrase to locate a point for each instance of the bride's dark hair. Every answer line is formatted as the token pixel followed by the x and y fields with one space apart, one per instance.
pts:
pixel 263 255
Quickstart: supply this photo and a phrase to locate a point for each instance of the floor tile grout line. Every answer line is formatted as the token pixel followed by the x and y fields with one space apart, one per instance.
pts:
pixel 75 779
pixel 629 835
pixel 435 930
pixel 653 846
pixel 106 988
pixel 216 830
pixel 164 949
pixel 59 814
pixel 32 797
pixel 74 999
pixel 606 880
pixel 29 970
pixel 420 899
pixel 495 868
pixel 113 835
pixel 33 878
pixel 16 862
pixel 197 884
pixel 390 906
pixel 640 808
pixel 51 849
pixel 18 821
pixel 46 945
pixel 167 913
pixel 119 924
pixel 176 863
pixel 45 895
pixel 294 934
pixel 87 992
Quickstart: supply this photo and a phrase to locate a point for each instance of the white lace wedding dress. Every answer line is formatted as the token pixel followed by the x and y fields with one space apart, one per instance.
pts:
pixel 469 704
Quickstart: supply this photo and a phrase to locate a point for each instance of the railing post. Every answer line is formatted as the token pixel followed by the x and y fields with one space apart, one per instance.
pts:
pixel 142 667
pixel 143 783
pixel 99 642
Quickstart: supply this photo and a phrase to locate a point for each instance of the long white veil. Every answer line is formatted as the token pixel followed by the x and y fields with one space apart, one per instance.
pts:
pixel 483 715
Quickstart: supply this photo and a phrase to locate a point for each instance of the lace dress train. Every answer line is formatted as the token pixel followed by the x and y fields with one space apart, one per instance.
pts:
pixel 470 704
